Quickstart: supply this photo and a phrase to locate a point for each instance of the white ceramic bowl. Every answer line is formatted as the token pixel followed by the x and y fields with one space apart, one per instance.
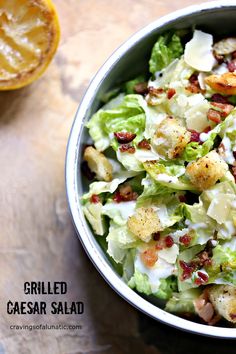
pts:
pixel 216 17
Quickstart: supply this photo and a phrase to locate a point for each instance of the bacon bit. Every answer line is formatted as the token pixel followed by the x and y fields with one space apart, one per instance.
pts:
pixel 202 278
pixel 144 144
pixel 194 86
pixel 233 171
pixel 195 136
pixel 125 194
pixel 220 58
pixel 94 199
pixel 117 197
pixel 156 236
pixel 86 171
pixel 182 199
pixel 127 148
pixel 124 137
pixel 141 88
pixel 217 97
pixel 234 55
pixel 185 240
pixel 169 241
pixel 224 107
pixel 188 269
pixel 170 93
pixel 202 258
pixel 232 316
pixel 207 129
pixel 231 66
pixel 194 79
pixel 155 91
pixel 214 116
pixel 149 257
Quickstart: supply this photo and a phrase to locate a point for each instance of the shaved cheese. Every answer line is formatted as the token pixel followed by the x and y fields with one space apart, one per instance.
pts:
pixel 198 52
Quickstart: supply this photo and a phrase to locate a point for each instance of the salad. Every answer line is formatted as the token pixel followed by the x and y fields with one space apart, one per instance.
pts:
pixel 162 170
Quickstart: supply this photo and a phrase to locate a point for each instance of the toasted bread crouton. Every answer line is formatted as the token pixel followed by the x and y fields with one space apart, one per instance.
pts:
pixel 206 171
pixel 225 83
pixel 98 163
pixel 144 223
pixel 223 298
pixel 225 46
pixel 171 138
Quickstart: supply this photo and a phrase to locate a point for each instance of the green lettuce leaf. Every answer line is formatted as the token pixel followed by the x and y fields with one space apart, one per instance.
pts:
pixel 108 187
pixel 93 213
pixel 141 283
pixel 198 220
pixel 169 174
pixel 182 302
pixel 127 116
pixel 119 240
pixel 119 212
pixel 165 50
pixel 129 85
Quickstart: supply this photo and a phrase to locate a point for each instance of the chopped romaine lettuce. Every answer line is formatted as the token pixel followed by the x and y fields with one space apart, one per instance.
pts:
pixel 182 303
pixel 93 213
pixel 165 50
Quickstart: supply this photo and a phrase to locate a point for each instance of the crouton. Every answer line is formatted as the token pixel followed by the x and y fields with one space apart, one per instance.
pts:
pixel 225 46
pixel 144 223
pixel 225 83
pixel 223 298
pixel 206 171
pixel 171 138
pixel 98 163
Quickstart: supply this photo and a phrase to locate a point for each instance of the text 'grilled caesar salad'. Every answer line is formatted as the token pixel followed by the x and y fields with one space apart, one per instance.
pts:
pixel 163 205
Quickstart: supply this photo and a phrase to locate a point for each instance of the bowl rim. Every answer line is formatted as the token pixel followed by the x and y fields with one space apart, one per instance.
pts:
pixel 89 244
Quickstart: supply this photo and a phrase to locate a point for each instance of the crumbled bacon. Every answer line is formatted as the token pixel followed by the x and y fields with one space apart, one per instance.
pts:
pixel 144 144
pixel 141 88
pixel 203 259
pixel 125 193
pixel 156 236
pixel 232 66
pixel 194 79
pixel 188 269
pixel 220 58
pixel 170 93
pixel 217 97
pixel 234 55
pixel 202 279
pixel 195 136
pixel 124 137
pixel 194 86
pixel 182 198
pixel 169 241
pixel 149 257
pixel 94 199
pixel 155 91
pixel 225 108
pixel 185 240
pixel 207 129
pixel 127 148
pixel 233 171
pixel 214 116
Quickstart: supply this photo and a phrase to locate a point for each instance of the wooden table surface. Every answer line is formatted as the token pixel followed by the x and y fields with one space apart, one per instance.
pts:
pixel 37 240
